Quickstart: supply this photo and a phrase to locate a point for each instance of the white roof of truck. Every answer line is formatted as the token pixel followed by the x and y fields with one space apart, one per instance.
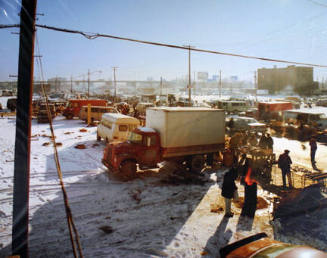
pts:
pixel 184 109
pixel 117 117
pixel 147 129
pixel 314 110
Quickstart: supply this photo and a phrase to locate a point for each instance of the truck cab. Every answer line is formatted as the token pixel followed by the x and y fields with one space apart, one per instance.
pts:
pixel 142 147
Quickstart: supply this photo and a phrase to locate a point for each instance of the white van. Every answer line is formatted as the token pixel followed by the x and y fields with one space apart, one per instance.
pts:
pixel 115 127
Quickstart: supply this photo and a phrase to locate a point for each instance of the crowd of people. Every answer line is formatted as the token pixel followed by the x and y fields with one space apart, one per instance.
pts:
pixel 243 169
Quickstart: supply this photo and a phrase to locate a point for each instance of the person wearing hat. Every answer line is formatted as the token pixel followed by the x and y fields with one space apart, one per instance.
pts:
pixel 284 163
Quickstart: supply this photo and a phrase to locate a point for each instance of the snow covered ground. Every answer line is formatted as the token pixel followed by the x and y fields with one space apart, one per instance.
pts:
pixel 148 217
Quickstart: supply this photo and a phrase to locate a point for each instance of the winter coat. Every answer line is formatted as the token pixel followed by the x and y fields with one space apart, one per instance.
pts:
pixel 284 162
pixel 269 142
pixel 229 185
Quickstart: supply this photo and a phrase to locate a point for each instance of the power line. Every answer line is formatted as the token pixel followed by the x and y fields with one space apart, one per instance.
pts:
pixel 317 3
pixel 99 35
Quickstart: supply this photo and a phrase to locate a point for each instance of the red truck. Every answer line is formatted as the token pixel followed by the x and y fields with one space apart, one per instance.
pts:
pixel 183 135
pixel 74 106
pixel 272 110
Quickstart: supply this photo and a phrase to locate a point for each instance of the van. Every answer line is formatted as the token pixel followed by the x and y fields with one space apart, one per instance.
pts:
pixel 74 106
pixel 232 106
pixel 116 127
pixel 96 112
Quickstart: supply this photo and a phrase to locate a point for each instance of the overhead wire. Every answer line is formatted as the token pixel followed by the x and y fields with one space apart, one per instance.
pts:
pixel 317 3
pixel 90 35
pixel 73 233
pixel 99 35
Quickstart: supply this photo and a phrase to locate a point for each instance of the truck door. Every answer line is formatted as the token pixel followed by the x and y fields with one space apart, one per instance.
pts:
pixel 149 154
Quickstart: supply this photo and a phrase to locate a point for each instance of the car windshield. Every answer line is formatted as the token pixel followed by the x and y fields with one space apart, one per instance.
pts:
pixel 135 138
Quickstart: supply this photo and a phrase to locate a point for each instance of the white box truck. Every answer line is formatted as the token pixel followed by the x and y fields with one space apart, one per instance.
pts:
pixel 183 134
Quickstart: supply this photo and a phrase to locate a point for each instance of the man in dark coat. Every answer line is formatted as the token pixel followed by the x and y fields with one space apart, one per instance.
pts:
pixel 228 189
pixel 269 142
pixel 313 149
pixel 263 141
pixel 284 163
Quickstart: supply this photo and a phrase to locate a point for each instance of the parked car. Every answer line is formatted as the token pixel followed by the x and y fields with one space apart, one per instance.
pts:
pixel 11 104
pixel 244 123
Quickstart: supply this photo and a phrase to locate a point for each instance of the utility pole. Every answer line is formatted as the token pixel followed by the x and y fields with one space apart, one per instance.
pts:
pixel 115 83
pixel 88 83
pixel 189 74
pixel 71 84
pixel 255 85
pixel 160 85
pixel 220 86
pixel 56 83
pixel 23 129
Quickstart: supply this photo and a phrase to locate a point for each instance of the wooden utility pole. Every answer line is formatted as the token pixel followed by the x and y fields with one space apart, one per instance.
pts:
pixel 115 83
pixel 88 83
pixel 255 86
pixel 71 84
pixel 189 76
pixel 23 129
pixel 160 86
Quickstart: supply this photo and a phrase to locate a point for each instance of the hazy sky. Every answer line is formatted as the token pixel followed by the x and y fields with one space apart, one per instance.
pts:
pixel 294 30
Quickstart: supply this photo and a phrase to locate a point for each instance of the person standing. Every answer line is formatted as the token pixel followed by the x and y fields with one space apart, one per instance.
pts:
pixel 269 142
pixel 250 192
pixel 228 189
pixel 284 163
pixel 263 141
pixel 313 149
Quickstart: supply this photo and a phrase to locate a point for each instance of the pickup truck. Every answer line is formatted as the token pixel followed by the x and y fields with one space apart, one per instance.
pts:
pixel 183 135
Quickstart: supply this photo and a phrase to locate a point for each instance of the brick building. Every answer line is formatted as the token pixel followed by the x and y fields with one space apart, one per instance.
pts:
pixel 298 78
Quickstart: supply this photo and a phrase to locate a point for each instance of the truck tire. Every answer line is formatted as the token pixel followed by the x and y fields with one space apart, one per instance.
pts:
pixel 128 169
pixel 197 163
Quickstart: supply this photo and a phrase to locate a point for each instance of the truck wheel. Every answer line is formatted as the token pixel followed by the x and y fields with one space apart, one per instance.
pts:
pixel 128 169
pixel 197 163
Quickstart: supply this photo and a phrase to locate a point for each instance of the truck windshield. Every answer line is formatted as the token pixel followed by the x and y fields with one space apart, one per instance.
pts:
pixel 135 138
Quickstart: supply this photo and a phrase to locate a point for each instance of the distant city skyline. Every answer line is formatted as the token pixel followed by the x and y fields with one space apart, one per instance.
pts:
pixel 293 30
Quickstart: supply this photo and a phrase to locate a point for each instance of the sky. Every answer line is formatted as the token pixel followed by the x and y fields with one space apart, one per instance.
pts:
pixel 293 30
